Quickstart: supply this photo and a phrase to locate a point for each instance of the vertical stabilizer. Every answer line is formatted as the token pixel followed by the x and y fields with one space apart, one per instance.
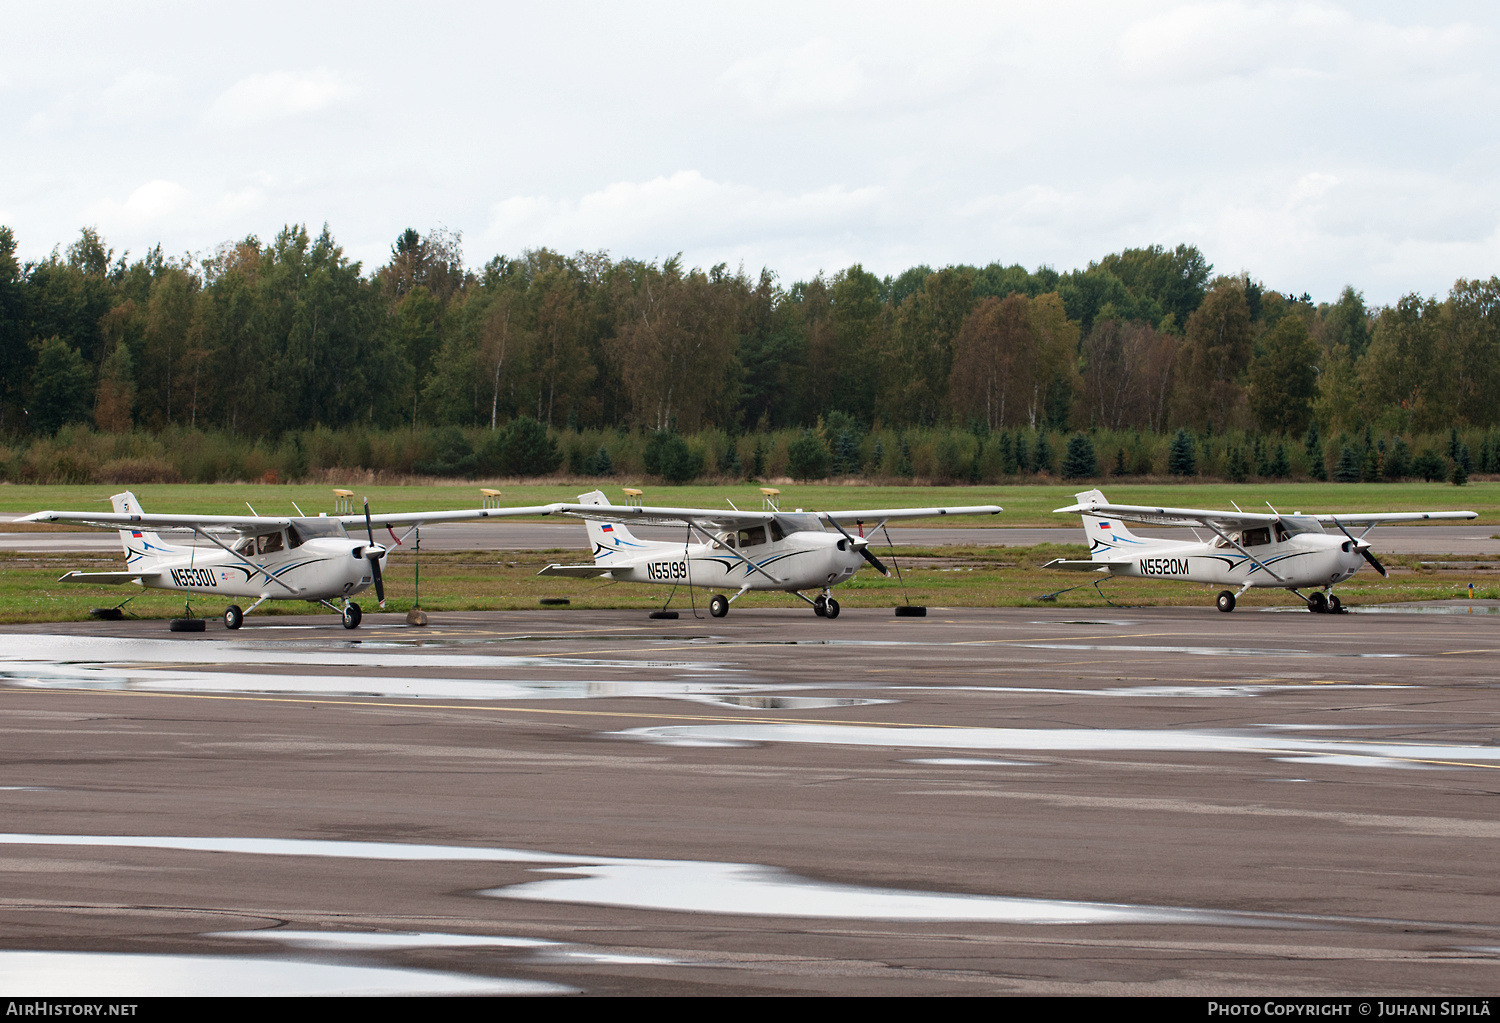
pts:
pixel 142 547
pixel 1108 538
pixel 608 538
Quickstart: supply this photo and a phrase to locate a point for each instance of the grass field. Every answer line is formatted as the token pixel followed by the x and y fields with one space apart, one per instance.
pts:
pixel 941 577
pixel 1024 505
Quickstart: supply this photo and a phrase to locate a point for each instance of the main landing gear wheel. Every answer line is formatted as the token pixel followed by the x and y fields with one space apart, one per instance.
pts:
pixel 1317 604
pixel 1335 605
pixel 1226 601
pixel 233 617
pixel 820 607
pixel 831 608
pixel 352 615
pixel 718 605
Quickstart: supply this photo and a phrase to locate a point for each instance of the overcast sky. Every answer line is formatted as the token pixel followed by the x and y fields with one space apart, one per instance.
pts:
pixel 1313 144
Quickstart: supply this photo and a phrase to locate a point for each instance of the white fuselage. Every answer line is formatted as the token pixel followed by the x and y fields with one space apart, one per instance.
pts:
pixel 321 568
pixel 798 561
pixel 1305 560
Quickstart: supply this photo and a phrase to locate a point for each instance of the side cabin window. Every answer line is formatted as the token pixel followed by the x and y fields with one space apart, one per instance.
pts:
pixel 723 540
pixel 269 543
pixel 1256 537
pixel 293 538
pixel 752 536
pixel 1282 536
pixel 776 534
pixel 246 547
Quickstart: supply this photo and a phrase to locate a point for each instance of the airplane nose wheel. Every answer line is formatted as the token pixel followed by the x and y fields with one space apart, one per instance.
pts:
pixel 352 615
pixel 1335 605
pixel 826 607
pixel 233 617
pixel 718 606
pixel 1226 601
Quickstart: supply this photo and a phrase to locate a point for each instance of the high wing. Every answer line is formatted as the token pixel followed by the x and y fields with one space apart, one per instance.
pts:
pixel 107 577
pixel 1172 516
pixel 253 525
pixel 1238 520
pixel 714 519
pixel 1377 518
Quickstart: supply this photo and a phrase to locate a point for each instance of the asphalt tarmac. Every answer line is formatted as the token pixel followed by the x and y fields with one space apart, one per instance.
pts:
pixel 519 536
pixel 1013 801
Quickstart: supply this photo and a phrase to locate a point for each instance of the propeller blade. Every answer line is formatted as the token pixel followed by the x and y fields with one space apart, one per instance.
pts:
pixel 374 554
pixel 1374 562
pixel 379 578
pixel 862 546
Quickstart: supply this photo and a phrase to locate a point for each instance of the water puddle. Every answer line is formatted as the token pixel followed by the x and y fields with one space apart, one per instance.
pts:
pixel 974 762
pixel 1199 651
pixel 693 886
pixel 1228 689
pixel 126 975
pixel 41 649
pixel 1400 609
pixel 1094 740
pixel 740 695
pixel 367 941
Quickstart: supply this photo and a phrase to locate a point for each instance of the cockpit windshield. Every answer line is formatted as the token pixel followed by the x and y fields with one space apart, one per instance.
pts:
pixel 794 523
pixel 1294 524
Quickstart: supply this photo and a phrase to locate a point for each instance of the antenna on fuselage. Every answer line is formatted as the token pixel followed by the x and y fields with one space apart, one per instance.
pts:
pixel 299 510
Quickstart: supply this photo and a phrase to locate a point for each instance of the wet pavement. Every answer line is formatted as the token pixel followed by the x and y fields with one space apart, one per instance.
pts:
pixel 1157 800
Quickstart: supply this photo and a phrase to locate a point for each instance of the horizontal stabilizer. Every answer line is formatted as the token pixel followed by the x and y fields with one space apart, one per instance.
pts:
pixel 106 577
pixel 577 571
pixel 1064 565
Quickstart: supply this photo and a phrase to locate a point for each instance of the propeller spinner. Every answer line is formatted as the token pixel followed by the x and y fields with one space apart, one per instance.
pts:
pixel 863 547
pixel 1364 550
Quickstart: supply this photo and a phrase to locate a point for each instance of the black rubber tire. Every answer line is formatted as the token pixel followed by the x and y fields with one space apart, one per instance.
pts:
pixel 1335 605
pixel 352 616
pixel 911 611
pixel 186 625
pixel 832 610
pixel 233 617
pixel 718 605
pixel 669 615
pixel 1226 601
pixel 1317 604
pixel 820 607
pixel 555 601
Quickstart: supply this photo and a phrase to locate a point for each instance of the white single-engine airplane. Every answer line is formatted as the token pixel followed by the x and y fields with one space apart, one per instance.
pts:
pixel 738 550
pixel 1249 549
pixel 310 558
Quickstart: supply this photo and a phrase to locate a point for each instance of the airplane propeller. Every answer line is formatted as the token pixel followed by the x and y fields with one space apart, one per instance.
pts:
pixel 863 548
pixel 1364 550
pixel 374 552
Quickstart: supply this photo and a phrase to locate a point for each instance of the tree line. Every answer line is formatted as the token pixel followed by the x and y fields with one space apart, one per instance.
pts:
pixel 258 340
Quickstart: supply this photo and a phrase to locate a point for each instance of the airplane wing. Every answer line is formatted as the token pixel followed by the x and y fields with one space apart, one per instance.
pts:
pixel 1064 565
pixel 357 521
pixel 252 525
pixel 713 518
pixel 1172 516
pixel 243 524
pixel 1376 518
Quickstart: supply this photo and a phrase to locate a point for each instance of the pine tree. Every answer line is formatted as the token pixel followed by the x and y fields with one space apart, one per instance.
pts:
pixel 1120 469
pixel 1348 468
pixel 1181 460
pixel 1080 462
pixel 1314 447
pixel 1281 466
pixel 1236 465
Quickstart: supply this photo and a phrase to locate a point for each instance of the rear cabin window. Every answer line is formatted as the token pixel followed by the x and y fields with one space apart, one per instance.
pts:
pixel 1256 537
pixel 752 536
pixel 269 543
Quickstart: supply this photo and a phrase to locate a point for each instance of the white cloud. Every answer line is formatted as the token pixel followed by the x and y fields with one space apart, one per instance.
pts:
pixel 684 211
pixel 148 206
pixel 279 95
pixel 817 76
pixel 1203 42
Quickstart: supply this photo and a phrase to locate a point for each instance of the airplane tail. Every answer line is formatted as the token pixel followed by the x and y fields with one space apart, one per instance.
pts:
pixel 142 546
pixel 608 537
pixel 1108 538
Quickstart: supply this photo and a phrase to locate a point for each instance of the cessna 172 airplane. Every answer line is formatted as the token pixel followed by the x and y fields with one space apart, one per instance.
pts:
pixel 739 550
pixel 310 558
pixel 1250 549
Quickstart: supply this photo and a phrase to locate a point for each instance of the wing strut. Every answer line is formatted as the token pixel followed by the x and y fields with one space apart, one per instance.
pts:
pixel 252 564
pixel 1253 559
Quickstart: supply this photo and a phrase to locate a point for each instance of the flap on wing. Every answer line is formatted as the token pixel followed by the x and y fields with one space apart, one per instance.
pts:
pixel 577 571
